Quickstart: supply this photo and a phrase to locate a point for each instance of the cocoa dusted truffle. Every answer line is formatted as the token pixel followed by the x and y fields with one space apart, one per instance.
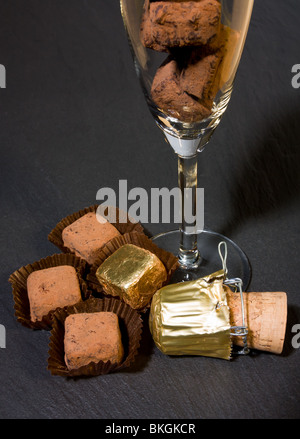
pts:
pixel 133 274
pixel 170 95
pixel 92 337
pixel 187 83
pixel 86 236
pixel 168 24
pixel 52 288
pixel 198 78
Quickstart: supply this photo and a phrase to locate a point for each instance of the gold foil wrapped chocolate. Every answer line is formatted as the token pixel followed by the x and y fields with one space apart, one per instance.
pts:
pixel 133 274
pixel 192 318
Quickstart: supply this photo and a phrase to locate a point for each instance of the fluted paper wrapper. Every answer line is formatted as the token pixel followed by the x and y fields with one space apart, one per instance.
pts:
pixel 130 326
pixel 122 222
pixel 192 318
pixel 19 278
pixel 169 261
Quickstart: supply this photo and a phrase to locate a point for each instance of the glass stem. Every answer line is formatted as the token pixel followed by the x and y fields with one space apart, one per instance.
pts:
pixel 189 256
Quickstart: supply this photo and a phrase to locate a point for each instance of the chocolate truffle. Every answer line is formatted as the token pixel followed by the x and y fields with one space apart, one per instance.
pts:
pixel 133 274
pixel 168 24
pixel 86 236
pixel 92 337
pixel 169 96
pixel 52 288
pixel 198 78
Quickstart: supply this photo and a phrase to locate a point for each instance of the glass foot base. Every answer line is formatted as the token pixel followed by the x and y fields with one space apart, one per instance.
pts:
pixel 208 242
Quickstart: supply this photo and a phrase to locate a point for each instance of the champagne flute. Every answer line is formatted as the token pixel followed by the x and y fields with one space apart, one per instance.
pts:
pixel 186 55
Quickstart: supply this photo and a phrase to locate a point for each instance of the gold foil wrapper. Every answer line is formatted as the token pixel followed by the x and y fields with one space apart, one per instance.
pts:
pixel 192 318
pixel 133 274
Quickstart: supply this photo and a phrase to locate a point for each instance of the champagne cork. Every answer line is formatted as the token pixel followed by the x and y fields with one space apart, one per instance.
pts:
pixel 265 317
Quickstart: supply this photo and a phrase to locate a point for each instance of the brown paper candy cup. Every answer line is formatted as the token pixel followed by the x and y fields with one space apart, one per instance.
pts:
pixel 140 240
pixel 131 330
pixel 19 278
pixel 55 236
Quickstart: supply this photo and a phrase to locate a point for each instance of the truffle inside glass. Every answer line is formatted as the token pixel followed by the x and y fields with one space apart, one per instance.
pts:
pixel 186 55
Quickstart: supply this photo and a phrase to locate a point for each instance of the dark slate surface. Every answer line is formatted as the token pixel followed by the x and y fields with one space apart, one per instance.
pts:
pixel 73 120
